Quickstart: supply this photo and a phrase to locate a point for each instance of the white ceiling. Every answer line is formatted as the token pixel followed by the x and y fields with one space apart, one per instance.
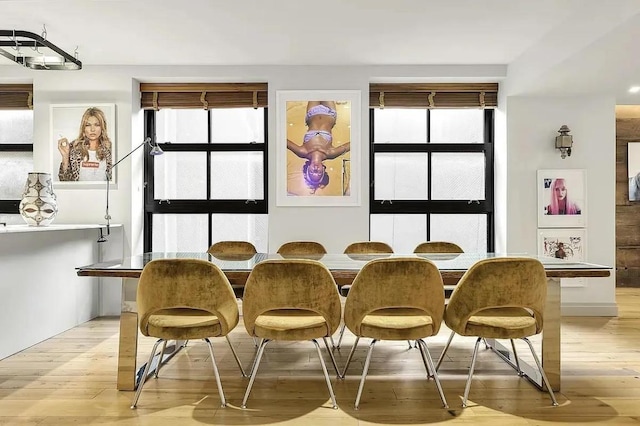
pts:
pixel 567 45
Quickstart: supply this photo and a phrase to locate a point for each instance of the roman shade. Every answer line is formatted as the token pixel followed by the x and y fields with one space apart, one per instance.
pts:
pixel 203 95
pixel 433 95
pixel 16 96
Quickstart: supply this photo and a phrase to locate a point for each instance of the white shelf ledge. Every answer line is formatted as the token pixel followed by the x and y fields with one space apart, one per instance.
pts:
pixel 13 229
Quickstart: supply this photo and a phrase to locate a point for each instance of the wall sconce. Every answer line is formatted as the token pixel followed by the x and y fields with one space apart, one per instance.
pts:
pixel 564 142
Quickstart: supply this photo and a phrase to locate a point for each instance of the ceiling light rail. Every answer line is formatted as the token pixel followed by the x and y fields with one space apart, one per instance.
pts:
pixel 35 51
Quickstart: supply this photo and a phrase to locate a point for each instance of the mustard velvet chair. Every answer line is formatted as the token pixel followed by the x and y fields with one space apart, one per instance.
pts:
pixel 396 299
pixel 499 298
pixel 441 247
pixel 296 248
pixel 233 250
pixel 360 247
pixel 438 247
pixel 185 299
pixel 291 299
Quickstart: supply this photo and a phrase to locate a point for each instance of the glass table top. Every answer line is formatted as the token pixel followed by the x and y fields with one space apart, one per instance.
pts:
pixel 346 262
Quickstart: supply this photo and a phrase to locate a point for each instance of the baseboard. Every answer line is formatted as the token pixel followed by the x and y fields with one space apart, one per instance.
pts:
pixel 589 309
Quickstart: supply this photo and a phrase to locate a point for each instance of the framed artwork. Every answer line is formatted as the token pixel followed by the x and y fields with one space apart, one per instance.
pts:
pixel 566 244
pixel 83 144
pixel 318 148
pixel 633 170
pixel 562 198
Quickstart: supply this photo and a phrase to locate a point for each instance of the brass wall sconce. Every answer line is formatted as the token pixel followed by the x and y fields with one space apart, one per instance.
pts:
pixel 564 141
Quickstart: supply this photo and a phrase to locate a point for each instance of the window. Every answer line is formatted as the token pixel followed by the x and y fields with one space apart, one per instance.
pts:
pixel 16 147
pixel 211 183
pixel 432 177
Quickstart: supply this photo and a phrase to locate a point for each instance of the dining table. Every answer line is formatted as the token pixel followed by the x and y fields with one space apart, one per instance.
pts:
pixel 344 268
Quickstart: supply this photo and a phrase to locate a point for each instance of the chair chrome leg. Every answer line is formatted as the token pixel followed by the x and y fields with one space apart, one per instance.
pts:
pixel 365 370
pixel 486 345
pixel 333 345
pixel 144 374
pixel 235 355
pixel 353 349
pixel 164 346
pixel 444 351
pixel 255 342
pixel 253 363
pixel 544 376
pixel 515 355
pixel 326 373
pixel 341 335
pixel 254 370
pixel 473 366
pixel 424 351
pixel 410 345
pixel 424 361
pixel 223 401
pixel 333 359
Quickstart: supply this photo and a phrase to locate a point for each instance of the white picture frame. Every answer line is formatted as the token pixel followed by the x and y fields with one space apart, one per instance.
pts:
pixel 567 209
pixel 340 185
pixel 66 123
pixel 567 244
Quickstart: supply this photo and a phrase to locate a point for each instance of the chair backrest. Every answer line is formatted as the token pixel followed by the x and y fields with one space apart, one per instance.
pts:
pixel 365 247
pixel 301 247
pixel 232 250
pixel 438 247
pixel 291 284
pixel 395 283
pixel 500 283
pixel 186 283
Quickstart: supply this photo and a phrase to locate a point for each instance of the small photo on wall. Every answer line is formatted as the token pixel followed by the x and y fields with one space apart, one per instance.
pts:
pixel 633 168
pixel 561 198
pixel 83 143
pixel 565 244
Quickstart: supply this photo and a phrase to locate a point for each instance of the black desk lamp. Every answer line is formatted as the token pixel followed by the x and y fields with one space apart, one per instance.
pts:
pixel 155 150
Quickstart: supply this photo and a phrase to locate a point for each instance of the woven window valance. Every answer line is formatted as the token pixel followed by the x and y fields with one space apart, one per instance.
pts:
pixel 16 96
pixel 433 95
pixel 203 95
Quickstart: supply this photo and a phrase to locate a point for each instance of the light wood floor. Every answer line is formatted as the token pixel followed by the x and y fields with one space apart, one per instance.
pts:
pixel 70 379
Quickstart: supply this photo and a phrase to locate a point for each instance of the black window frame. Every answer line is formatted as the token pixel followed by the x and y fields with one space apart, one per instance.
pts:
pixel 429 206
pixel 190 206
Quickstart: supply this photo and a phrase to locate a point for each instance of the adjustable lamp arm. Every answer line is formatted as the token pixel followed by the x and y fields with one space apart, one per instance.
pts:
pixel 155 150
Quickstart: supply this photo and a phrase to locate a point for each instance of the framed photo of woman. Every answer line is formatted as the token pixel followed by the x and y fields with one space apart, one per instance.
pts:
pixel 562 198
pixel 318 148
pixel 83 144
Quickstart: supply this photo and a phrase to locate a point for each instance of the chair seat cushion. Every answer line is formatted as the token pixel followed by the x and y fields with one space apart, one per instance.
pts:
pixel 397 324
pixel 183 324
pixel 290 324
pixel 501 323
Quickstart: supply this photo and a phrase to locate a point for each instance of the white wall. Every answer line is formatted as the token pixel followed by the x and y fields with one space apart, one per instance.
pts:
pixel 525 129
pixel 532 124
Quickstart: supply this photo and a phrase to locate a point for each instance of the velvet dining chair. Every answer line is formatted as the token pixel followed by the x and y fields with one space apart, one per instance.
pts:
pixel 499 298
pixel 291 300
pixel 185 299
pixel 395 299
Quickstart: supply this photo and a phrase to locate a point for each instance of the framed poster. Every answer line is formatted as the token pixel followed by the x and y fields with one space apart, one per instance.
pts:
pixel 566 244
pixel 633 170
pixel 561 198
pixel 83 145
pixel 318 148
